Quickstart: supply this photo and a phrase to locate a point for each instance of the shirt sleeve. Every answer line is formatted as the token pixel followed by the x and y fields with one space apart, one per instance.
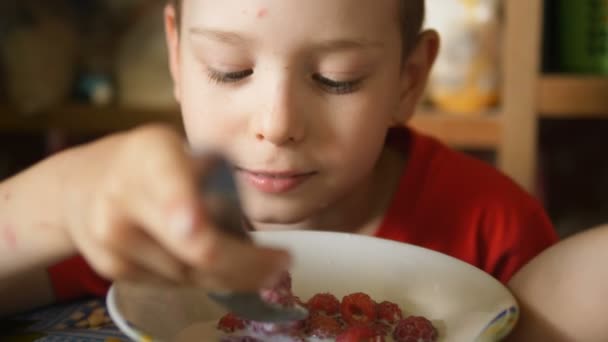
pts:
pixel 74 278
pixel 515 236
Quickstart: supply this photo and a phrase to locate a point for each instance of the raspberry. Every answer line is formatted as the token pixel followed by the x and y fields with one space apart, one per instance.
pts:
pixel 230 323
pixel 415 329
pixel 280 293
pixel 359 334
pixel 357 318
pixel 358 308
pixel 290 328
pixel 298 301
pixel 322 326
pixel 325 302
pixel 342 322
pixel 295 338
pixel 381 328
pixel 239 339
pixel 278 297
pixel 389 312
pixel 283 284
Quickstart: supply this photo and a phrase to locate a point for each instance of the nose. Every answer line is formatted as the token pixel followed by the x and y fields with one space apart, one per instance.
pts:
pixel 281 122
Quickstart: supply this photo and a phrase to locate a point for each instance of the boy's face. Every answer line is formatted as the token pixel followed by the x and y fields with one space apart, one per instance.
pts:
pixel 299 94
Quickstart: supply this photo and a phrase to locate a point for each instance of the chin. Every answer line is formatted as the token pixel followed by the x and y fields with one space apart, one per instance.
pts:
pixel 286 214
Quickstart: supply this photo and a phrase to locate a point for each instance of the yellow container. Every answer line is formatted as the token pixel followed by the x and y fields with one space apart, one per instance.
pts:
pixel 466 76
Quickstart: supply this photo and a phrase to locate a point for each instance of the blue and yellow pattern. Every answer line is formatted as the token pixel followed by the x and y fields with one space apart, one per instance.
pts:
pixel 500 326
pixel 83 321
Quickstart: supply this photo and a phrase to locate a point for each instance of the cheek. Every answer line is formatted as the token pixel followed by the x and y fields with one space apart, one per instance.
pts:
pixel 363 120
pixel 206 110
pixel 359 129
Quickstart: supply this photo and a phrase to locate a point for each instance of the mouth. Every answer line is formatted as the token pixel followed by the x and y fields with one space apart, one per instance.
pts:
pixel 274 182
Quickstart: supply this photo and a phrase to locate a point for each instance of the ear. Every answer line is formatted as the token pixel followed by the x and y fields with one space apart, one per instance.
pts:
pixel 172 34
pixel 415 74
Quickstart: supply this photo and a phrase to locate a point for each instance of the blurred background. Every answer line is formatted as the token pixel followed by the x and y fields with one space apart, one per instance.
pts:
pixel 520 84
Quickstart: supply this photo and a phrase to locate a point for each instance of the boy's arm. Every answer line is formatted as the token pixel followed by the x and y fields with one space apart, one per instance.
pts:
pixel 32 216
pixel 561 292
pixel 33 234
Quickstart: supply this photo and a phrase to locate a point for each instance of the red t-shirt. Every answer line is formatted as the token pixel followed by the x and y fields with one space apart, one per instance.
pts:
pixel 455 204
pixel 446 201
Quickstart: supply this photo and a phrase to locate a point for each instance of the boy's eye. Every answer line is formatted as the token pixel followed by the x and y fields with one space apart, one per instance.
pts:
pixel 337 87
pixel 228 77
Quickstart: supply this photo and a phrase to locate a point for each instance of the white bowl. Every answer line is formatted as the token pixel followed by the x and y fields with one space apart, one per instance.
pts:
pixel 465 303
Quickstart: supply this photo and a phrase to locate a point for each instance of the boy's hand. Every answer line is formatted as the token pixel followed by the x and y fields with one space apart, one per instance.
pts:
pixel 141 218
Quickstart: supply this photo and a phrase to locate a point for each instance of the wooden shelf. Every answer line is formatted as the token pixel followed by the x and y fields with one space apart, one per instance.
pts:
pixel 83 119
pixel 475 131
pixel 573 96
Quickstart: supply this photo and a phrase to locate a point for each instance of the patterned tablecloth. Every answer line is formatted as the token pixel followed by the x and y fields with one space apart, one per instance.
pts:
pixel 83 321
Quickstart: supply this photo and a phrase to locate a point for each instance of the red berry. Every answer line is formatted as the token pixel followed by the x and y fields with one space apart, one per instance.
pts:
pixel 289 328
pixel 298 301
pixel 284 282
pixel 325 302
pixel 280 293
pixel 389 312
pixel 358 309
pixel 323 326
pixel 230 323
pixel 239 339
pixel 381 328
pixel 278 297
pixel 359 333
pixel 415 329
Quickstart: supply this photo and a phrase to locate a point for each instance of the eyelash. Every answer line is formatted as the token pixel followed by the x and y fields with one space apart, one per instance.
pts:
pixel 228 77
pixel 332 86
pixel 337 87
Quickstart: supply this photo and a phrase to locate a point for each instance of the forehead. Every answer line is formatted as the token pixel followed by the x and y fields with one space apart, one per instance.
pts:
pixel 296 18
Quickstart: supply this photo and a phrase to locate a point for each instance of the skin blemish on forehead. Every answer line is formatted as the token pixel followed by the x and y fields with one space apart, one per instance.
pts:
pixel 6 196
pixel 263 12
pixel 8 236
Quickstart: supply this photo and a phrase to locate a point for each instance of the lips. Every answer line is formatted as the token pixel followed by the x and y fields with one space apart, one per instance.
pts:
pixel 275 182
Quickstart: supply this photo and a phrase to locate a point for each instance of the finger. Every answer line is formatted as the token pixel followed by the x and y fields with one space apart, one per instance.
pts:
pixel 140 249
pixel 114 232
pixel 110 264
pixel 140 275
pixel 162 197
pixel 220 261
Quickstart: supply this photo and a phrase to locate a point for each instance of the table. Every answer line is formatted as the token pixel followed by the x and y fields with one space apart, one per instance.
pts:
pixel 81 321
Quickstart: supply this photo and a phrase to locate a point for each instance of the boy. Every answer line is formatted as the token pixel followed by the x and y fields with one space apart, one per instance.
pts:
pixel 307 99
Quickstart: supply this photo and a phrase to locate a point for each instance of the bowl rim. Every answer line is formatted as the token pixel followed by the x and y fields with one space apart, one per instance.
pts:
pixel 496 328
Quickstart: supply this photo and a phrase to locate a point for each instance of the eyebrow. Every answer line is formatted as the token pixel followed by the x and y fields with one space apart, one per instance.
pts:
pixel 228 37
pixel 331 45
pixel 347 44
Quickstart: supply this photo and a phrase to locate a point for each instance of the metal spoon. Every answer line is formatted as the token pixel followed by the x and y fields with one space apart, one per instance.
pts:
pixel 219 191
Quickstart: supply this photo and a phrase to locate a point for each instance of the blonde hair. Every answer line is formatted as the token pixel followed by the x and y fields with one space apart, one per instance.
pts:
pixel 411 14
